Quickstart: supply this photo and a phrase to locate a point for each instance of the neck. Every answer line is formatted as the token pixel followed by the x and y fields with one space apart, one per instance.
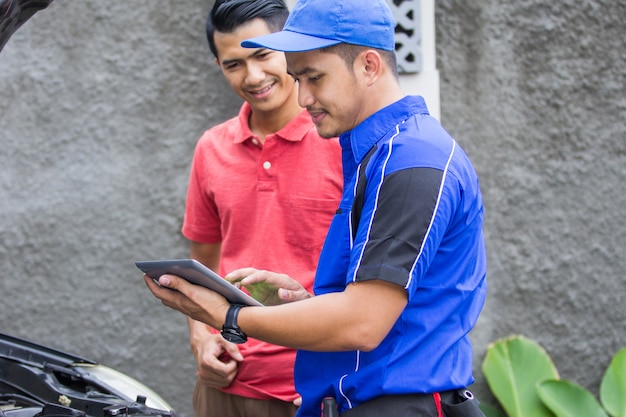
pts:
pixel 383 94
pixel 263 123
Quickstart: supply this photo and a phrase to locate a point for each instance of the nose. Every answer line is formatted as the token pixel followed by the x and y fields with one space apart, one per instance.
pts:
pixel 305 97
pixel 254 74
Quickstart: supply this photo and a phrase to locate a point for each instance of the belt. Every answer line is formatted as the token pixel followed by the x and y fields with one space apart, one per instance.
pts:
pixel 453 403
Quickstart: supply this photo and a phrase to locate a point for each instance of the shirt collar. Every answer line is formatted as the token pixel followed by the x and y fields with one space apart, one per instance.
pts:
pixel 365 135
pixel 294 131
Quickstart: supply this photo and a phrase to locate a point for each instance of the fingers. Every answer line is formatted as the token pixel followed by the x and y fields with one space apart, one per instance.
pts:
pixel 169 290
pixel 232 350
pixel 218 362
pixel 219 375
pixel 214 347
pixel 156 289
pixel 196 302
pixel 289 296
pixel 289 289
pixel 239 274
pixel 251 276
pixel 171 282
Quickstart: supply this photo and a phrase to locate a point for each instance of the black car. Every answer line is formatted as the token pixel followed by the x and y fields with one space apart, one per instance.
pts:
pixel 36 380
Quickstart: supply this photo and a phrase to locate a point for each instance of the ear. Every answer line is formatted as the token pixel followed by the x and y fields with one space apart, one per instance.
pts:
pixel 217 61
pixel 371 65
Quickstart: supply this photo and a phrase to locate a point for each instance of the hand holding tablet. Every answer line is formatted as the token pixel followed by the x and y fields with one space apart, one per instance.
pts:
pixel 196 273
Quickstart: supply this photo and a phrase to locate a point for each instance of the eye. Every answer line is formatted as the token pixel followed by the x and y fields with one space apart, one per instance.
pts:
pixel 231 66
pixel 263 54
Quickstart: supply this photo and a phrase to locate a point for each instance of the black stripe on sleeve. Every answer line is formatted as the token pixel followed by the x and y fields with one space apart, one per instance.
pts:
pixel 357 205
pixel 406 205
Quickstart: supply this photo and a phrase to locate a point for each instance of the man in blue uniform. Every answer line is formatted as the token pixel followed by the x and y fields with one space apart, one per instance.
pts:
pixel 401 278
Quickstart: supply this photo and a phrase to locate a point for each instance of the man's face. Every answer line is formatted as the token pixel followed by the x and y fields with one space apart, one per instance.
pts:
pixel 332 93
pixel 258 76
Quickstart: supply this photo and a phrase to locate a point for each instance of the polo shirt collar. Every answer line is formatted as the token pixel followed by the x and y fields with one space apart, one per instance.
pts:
pixel 365 135
pixel 294 131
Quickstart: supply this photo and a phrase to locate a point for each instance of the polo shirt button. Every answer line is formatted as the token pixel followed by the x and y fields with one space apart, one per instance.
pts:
pixel 255 141
pixel 267 164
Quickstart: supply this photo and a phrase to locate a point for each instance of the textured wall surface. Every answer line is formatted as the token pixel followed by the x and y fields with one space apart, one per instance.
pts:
pixel 535 92
pixel 101 104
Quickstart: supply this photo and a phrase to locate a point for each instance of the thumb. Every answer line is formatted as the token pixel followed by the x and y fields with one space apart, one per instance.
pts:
pixel 233 351
pixel 286 295
pixel 289 296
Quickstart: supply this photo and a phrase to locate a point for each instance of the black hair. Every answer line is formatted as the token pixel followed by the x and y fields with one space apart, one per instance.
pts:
pixel 349 52
pixel 227 15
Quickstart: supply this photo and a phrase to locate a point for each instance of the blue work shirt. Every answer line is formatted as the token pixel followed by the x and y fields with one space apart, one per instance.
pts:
pixel 411 214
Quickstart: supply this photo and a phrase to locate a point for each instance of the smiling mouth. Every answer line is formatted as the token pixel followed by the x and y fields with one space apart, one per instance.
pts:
pixel 316 115
pixel 261 91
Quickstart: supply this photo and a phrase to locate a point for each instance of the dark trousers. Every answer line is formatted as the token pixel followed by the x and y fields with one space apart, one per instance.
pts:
pixel 456 403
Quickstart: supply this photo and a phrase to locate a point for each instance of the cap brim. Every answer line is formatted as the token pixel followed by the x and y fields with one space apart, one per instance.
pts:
pixel 288 41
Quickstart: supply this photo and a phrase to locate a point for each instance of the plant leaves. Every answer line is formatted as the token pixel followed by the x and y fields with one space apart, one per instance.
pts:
pixel 489 410
pixel 567 399
pixel 613 386
pixel 512 367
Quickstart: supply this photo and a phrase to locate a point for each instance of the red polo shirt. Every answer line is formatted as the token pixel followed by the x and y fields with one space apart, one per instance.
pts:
pixel 270 206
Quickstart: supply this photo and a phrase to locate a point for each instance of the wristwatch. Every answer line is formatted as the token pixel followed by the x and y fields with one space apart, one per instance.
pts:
pixel 230 330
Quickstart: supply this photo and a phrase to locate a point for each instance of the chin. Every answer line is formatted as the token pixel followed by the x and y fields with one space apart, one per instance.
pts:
pixel 265 105
pixel 328 133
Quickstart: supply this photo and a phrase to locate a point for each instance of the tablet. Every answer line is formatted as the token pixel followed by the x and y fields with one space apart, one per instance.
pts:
pixel 196 273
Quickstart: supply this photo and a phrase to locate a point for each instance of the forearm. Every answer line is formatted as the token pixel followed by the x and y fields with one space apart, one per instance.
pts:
pixel 198 333
pixel 349 320
pixel 209 255
pixel 358 318
pixel 292 325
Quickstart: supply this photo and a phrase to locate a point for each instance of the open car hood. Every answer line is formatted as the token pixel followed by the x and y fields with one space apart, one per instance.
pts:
pixel 13 14
pixel 39 381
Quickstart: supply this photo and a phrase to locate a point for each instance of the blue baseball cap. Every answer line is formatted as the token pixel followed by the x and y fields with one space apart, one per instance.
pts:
pixel 316 24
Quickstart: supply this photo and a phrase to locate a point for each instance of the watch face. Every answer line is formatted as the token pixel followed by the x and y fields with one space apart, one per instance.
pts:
pixel 234 336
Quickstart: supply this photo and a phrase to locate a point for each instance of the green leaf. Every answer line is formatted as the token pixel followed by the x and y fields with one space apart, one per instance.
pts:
pixel 512 368
pixel 613 386
pixel 567 399
pixel 489 410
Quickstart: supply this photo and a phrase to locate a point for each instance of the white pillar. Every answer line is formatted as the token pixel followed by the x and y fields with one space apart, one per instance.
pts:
pixel 426 82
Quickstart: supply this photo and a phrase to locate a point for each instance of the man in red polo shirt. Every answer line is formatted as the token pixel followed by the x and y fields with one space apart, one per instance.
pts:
pixel 262 191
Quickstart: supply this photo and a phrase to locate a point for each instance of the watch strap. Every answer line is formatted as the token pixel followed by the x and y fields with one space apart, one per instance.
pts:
pixel 230 330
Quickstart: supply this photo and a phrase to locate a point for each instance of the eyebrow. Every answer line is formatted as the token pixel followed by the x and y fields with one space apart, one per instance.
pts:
pixel 303 71
pixel 256 52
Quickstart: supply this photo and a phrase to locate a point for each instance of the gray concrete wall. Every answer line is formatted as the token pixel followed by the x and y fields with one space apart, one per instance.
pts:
pixel 101 104
pixel 534 91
